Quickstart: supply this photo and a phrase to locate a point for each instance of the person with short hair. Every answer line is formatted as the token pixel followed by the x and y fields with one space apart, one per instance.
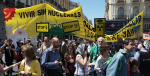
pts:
pixel 93 55
pixel 134 68
pixel 45 45
pixel 102 58
pixel 30 65
pixel 51 59
pixel 119 64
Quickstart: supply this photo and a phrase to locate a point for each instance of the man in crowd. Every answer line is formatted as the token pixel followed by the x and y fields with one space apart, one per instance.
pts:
pixel 119 64
pixel 93 55
pixel 143 57
pixel 64 47
pixel 28 41
pixel 135 49
pixel 50 59
pixel 90 46
pixel 45 45
pixel 9 49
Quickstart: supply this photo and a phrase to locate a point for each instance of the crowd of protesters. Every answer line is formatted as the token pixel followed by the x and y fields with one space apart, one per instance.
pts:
pixel 77 57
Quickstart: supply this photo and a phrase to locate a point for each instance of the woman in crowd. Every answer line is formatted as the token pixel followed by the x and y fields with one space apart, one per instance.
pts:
pixel 81 60
pixel 134 68
pixel 18 51
pixel 2 65
pixel 30 65
pixel 69 59
pixel 105 49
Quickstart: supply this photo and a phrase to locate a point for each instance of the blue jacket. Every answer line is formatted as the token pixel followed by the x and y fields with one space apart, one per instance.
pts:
pixel 113 67
pixel 51 60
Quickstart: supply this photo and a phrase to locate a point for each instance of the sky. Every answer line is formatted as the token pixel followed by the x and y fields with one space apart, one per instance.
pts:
pixel 92 8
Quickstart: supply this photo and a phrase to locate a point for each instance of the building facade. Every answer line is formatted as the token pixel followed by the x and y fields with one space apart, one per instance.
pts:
pixel 126 10
pixel 61 5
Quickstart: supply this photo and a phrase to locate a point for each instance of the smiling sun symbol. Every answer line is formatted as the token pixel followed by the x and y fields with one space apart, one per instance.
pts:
pixel 8 13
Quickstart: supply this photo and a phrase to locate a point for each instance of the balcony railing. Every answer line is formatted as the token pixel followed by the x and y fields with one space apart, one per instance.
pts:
pixel 120 1
pixel 10 2
pixel 135 0
pixel 146 16
pixel 120 16
pixel 20 5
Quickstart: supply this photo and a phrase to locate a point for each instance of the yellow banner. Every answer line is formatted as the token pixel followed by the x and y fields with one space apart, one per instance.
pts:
pixel 89 32
pixel 22 22
pixel 133 29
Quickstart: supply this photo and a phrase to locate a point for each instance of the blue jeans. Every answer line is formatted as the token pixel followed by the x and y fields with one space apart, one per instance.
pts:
pixel 93 72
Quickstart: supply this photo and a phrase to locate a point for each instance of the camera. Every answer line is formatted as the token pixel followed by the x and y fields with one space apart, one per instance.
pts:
pixel 95 58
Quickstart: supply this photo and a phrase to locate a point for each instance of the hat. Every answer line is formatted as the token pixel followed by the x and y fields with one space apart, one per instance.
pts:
pixel 80 49
pixel 66 40
pixel 28 39
pixel 146 44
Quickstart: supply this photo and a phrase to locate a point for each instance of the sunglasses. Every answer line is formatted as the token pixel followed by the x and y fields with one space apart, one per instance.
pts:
pixel 22 51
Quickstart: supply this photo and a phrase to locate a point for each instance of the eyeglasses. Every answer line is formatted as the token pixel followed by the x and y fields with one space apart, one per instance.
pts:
pixel 22 51
pixel 100 41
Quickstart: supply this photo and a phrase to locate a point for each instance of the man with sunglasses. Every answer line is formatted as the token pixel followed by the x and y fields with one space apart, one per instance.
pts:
pixel 93 55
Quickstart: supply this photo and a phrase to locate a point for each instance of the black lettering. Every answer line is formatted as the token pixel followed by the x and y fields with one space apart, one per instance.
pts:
pixel 65 15
pixel 136 20
pixel 54 13
pixel 20 14
pixel 57 14
pixel 61 15
pixel 113 38
pixel 75 15
pixel 128 33
pixel 50 12
pixel 124 32
pixel 133 23
pixel 44 11
pixel 139 18
pixel 108 39
pixel 72 15
pixel 68 15
pixel 39 12
pixel 132 32
pixel 79 14
pixel 33 14
pixel 99 29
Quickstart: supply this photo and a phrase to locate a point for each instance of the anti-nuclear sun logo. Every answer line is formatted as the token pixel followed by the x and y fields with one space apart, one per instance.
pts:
pixel 8 13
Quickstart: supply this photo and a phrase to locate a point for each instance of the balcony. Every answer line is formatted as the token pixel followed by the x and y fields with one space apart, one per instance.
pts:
pixel 10 2
pixel 146 16
pixel 135 0
pixel 120 16
pixel 147 0
pixel 27 5
pixel 20 5
pixel 55 3
pixel 120 1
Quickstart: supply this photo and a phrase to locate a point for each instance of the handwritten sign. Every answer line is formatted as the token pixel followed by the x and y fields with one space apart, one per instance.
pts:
pixel 42 27
pixel 70 26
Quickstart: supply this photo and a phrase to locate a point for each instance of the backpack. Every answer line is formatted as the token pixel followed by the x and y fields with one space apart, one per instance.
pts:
pixel 105 64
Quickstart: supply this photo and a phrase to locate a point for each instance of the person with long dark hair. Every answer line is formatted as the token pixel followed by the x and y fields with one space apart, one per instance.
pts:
pixel 69 59
pixel 18 51
pixel 119 44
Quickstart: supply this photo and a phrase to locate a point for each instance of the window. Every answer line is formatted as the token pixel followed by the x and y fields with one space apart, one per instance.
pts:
pixel 27 2
pixel 148 11
pixel 135 11
pixel 121 12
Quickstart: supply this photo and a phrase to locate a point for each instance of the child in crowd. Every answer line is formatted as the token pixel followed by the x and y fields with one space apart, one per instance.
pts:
pixel 134 68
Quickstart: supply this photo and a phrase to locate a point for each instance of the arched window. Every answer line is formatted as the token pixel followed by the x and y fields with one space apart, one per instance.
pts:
pixel 135 11
pixel 148 11
pixel 120 12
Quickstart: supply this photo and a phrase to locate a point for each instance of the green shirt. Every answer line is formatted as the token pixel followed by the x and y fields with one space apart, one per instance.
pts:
pixel 93 52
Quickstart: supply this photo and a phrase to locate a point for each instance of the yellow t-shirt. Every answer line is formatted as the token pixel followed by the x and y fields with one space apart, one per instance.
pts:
pixel 34 68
